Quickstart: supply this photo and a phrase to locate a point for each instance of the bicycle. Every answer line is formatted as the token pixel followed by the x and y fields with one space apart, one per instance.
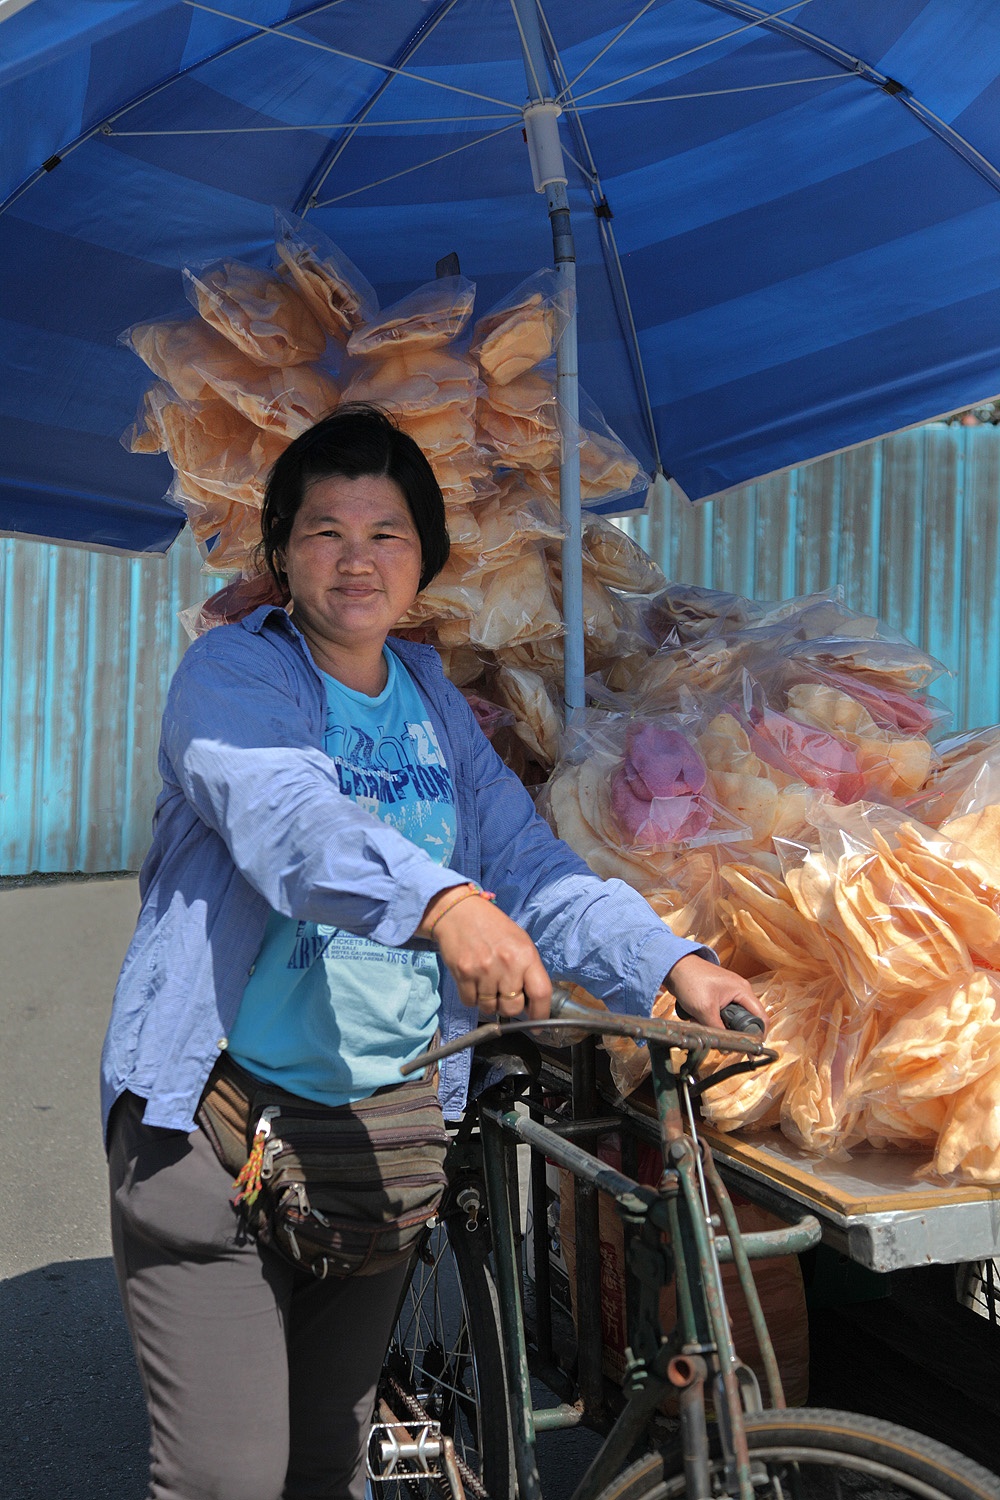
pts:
pixel 455 1411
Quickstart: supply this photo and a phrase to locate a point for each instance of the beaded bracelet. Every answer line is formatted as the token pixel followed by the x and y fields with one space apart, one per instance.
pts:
pixel 464 892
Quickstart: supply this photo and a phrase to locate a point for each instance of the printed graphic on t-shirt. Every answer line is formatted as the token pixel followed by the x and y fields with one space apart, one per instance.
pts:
pixel 393 767
pixel 313 940
pixel 400 779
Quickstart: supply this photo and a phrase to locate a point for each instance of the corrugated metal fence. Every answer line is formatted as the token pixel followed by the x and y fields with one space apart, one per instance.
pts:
pixel 910 527
pixel 89 642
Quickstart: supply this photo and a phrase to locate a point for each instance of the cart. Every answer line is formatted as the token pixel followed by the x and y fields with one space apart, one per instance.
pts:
pixel 904 1266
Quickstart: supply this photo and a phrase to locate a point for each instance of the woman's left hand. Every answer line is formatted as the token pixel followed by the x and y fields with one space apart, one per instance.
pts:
pixel 702 988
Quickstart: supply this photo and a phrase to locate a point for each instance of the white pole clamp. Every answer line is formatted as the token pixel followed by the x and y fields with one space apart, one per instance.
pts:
pixel 544 146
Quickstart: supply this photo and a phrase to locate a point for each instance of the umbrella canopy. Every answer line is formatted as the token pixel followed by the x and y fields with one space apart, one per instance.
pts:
pixel 786 216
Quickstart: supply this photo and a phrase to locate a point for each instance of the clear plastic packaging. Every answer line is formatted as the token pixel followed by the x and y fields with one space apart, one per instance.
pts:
pixel 619 562
pixel 329 282
pixel 690 613
pixel 892 666
pixel 608 470
pixel 866 882
pixel 214 449
pixel 536 719
pixel 544 657
pixel 519 421
pixel 441 435
pixel 454 594
pixel 804 753
pixel 427 318
pixel 190 356
pixel 257 311
pixel 518 604
pixel 231 603
pixel 411 381
pixel 600 621
pixel 640 788
pixel 284 400
pixel 508 521
pixel 794 1005
pixel 767 927
pixel 965 780
pixel 897 710
pixel 947 1040
pixel 968 1148
pixel 491 717
pixel 523 329
pixel 815 1114
pixel 227 532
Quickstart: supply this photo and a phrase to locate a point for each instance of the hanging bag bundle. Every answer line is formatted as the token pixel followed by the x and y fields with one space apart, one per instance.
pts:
pixel 341 1190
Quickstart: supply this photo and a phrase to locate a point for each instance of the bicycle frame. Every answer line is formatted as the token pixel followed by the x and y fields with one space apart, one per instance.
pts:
pixel 698 1356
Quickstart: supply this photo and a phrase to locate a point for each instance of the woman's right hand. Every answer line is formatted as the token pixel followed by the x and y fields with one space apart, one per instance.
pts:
pixel 494 963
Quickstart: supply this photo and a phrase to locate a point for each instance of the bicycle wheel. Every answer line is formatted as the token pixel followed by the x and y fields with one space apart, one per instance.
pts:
pixel 813 1455
pixel 445 1365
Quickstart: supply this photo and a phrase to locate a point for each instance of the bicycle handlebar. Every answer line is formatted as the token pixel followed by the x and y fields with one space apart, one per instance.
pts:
pixel 569 1014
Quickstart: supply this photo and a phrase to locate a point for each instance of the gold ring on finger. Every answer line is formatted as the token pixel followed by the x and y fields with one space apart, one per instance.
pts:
pixel 511 994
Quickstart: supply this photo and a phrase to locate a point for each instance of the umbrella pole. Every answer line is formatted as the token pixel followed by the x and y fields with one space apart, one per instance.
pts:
pixel 541 115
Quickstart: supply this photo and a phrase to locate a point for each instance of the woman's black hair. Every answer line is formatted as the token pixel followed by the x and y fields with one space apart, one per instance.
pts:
pixel 355 441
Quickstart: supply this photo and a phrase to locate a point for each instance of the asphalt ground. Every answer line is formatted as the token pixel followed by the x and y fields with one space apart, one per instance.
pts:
pixel 74 1423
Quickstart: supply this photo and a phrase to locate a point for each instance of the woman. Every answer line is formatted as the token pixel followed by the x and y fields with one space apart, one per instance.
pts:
pixel 311 908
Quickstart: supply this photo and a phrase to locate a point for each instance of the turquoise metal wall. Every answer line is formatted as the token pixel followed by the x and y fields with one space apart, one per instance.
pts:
pixel 910 526
pixel 88 643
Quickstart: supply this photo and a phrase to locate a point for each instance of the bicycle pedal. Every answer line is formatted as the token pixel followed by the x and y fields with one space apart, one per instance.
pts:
pixel 398 1448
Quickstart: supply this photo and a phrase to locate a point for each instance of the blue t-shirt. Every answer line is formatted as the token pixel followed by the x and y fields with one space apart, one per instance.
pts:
pixel 326 1014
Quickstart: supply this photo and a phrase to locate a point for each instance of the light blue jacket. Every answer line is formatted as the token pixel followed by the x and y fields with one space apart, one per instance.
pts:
pixel 250 817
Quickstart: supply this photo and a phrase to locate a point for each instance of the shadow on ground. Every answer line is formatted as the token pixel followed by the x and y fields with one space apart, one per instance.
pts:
pixel 74 1420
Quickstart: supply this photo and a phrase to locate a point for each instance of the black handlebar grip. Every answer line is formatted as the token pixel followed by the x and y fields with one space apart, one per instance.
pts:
pixel 735 1017
pixel 738 1018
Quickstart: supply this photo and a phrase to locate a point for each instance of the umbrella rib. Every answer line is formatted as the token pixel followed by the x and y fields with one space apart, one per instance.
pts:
pixel 418 166
pixel 945 132
pixel 308 197
pixel 104 127
pixel 665 62
pixel 367 62
pixel 951 137
pixel 313 125
pixel 571 85
pixel 746 88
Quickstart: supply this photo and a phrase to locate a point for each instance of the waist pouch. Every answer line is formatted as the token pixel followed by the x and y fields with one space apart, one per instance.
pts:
pixel 339 1190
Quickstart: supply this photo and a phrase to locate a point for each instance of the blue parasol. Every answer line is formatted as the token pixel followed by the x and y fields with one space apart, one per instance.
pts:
pixel 786 216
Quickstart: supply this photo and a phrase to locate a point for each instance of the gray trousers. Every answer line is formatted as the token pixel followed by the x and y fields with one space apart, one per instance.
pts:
pixel 259 1379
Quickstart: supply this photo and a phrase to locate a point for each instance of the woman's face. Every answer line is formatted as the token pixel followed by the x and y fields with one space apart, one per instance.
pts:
pixel 353 562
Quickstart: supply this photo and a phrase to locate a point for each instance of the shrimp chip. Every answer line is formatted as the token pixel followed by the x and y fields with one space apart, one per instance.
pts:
pixel 759 910
pixel 257 311
pixel 328 282
pixel 518 604
pixel 427 318
pixel 980 832
pixel 190 356
pixel 515 339
pixel 945 1041
pixel 618 561
pixel 969 1144
pixel 537 723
